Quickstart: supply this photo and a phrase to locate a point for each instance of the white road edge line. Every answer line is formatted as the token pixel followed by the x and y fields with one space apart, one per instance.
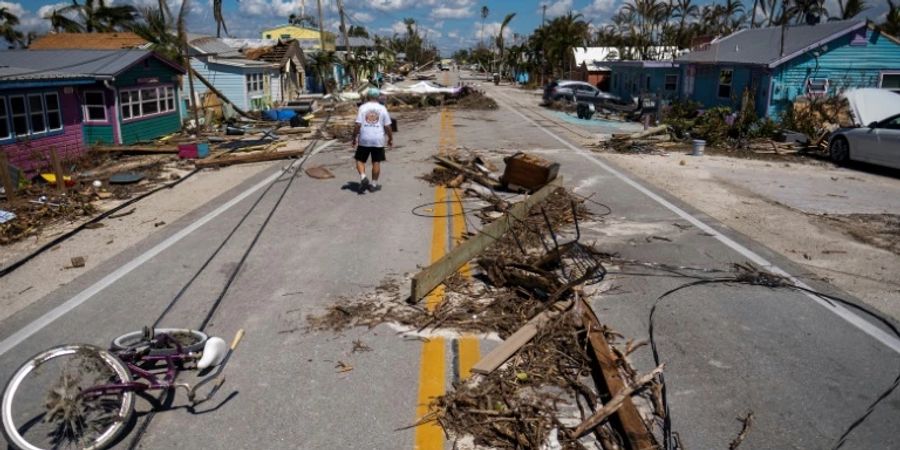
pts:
pixel 29 330
pixel 865 326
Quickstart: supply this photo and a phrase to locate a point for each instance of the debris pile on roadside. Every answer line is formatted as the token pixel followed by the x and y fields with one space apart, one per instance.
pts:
pixel 524 277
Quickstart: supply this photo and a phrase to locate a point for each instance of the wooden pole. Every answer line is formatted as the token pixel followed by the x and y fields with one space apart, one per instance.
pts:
pixel 5 179
pixel 347 54
pixel 321 26
pixel 58 171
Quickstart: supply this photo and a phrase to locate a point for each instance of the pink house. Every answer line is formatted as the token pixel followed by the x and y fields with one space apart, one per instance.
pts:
pixel 70 100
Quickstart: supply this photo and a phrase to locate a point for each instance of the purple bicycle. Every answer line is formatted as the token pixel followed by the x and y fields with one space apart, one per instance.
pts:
pixel 81 396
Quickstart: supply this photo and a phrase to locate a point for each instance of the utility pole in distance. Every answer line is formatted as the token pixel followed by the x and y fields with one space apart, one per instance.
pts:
pixel 321 26
pixel 347 55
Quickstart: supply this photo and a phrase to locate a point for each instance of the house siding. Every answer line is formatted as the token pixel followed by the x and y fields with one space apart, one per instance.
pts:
pixel 229 80
pixel 150 128
pixel 99 133
pixel 32 154
pixel 150 73
pixel 630 81
pixel 844 65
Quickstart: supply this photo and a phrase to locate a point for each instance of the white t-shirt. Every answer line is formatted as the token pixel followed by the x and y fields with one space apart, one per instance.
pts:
pixel 372 118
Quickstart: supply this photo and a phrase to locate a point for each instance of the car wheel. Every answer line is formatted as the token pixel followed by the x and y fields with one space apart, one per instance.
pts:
pixel 839 150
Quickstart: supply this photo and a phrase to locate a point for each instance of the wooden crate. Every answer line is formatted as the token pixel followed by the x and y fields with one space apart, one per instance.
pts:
pixel 528 171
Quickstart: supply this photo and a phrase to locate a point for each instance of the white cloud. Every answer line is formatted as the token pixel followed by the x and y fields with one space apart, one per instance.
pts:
pixel 446 12
pixel 361 16
pixel 559 7
pixel 491 30
pixel 391 5
pixel 278 8
pixel 599 7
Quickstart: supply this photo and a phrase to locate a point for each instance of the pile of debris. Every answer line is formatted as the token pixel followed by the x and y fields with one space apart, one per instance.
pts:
pixel 533 277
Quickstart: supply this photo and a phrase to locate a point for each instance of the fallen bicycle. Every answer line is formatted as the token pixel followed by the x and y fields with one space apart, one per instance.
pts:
pixel 81 396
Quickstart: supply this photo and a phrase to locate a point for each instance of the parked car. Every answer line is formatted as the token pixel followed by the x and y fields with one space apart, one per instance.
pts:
pixel 878 143
pixel 877 138
pixel 581 92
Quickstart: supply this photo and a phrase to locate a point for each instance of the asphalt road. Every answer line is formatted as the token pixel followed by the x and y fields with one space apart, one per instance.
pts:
pixel 805 372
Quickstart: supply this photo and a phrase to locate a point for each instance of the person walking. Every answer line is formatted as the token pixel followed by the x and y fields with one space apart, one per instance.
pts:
pixel 373 124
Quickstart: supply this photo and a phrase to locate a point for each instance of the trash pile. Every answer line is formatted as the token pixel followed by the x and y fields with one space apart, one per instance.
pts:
pixel 528 284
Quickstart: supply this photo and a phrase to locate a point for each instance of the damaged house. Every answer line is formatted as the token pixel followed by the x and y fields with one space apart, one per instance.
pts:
pixel 775 66
pixel 248 84
pixel 290 59
pixel 69 100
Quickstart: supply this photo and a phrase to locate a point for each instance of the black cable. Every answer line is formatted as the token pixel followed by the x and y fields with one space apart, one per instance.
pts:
pixel 773 282
pixel 8 269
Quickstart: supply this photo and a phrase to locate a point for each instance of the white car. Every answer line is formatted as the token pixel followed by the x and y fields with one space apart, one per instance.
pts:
pixel 877 142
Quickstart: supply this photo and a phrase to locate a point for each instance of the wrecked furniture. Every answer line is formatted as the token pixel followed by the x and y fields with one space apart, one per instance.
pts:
pixel 528 172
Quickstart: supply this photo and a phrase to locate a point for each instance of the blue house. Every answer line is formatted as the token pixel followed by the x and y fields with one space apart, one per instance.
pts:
pixel 776 65
pixel 249 84
pixel 629 79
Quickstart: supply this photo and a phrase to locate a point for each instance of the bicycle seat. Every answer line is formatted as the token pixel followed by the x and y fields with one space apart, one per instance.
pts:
pixel 213 353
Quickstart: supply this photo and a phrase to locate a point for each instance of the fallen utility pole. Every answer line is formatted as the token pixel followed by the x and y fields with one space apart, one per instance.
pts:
pixel 629 420
pixel 243 159
pixel 435 274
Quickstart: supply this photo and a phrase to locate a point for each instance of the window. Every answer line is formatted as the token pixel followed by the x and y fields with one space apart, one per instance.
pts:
pixel 170 99
pixel 254 82
pixel 891 81
pixel 143 102
pixel 30 114
pixel 725 78
pixel 671 83
pixel 149 101
pixel 19 115
pixel 4 120
pixel 285 36
pixel 36 113
pixel 94 106
pixel 817 86
pixel 54 116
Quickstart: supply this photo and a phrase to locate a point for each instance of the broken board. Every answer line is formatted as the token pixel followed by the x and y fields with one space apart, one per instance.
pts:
pixel 429 278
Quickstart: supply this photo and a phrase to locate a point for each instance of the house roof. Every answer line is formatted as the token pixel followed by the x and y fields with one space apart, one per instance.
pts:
pixel 763 46
pixel 211 45
pixel 221 53
pixel 8 73
pixel 664 64
pixel 88 41
pixel 91 63
pixel 591 55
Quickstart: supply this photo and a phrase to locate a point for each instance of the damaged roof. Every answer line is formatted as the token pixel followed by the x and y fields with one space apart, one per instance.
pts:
pixel 88 41
pixel 93 63
pixel 763 46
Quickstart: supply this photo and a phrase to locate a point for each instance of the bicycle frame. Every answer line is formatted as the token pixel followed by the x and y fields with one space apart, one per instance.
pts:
pixel 133 360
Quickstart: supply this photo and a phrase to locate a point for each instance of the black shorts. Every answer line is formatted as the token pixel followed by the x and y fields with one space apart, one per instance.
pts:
pixel 362 154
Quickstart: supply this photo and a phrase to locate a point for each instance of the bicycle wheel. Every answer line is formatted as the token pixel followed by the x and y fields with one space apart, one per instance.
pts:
pixel 45 404
pixel 190 340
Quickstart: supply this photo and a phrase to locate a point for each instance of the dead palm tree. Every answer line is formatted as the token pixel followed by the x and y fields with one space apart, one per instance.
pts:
pixel 891 24
pixel 851 8
pixel 484 13
pixel 92 16
pixel 509 17
pixel 8 24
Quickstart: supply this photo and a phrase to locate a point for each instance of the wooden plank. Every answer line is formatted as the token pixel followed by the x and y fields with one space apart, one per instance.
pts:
pixel 613 405
pixel 430 277
pixel 637 436
pixel 522 336
pixel 251 158
pixel 57 170
pixel 5 179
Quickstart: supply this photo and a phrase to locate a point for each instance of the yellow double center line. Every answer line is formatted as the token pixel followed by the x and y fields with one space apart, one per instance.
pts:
pixel 432 371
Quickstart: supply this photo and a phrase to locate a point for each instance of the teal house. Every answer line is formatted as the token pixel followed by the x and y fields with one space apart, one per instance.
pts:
pixel 129 96
pixel 633 79
pixel 773 67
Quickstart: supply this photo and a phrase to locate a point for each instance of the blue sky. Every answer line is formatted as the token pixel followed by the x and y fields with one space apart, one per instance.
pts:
pixel 450 24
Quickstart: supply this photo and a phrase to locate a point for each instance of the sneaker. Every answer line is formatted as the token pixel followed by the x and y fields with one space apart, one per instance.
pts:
pixel 374 188
pixel 363 185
